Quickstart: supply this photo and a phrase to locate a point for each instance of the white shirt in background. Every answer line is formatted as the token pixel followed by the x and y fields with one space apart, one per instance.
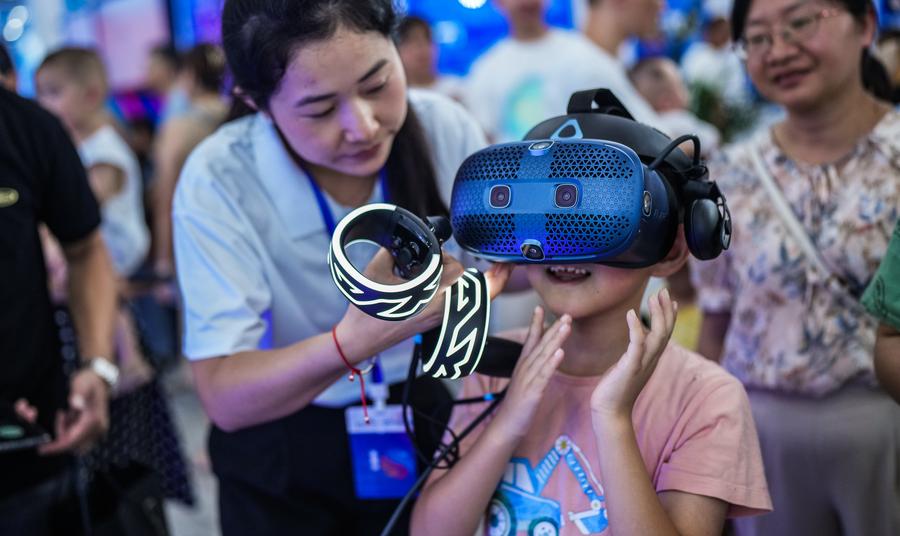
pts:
pixel 517 84
pixel 719 68
pixel 123 226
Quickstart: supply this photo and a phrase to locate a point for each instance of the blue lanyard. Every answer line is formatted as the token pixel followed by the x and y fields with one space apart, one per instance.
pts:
pixel 325 210
pixel 328 220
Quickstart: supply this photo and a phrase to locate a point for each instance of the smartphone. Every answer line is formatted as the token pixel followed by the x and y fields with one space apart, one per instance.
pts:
pixel 18 434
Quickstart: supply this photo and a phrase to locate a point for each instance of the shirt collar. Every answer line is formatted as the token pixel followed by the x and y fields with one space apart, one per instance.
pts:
pixel 289 187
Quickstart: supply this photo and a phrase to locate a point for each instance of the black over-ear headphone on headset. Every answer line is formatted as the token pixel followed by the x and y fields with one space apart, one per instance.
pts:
pixel 597 114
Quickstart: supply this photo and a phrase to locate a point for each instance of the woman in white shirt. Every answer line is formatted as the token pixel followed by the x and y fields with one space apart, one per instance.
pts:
pixel 334 128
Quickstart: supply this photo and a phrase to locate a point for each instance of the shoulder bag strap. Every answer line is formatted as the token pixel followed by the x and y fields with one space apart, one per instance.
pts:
pixel 834 282
pixel 788 218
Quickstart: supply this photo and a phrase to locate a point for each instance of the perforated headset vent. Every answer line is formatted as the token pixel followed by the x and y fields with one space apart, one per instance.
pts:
pixel 578 234
pixel 607 178
pixel 582 161
pixel 501 164
pixel 490 232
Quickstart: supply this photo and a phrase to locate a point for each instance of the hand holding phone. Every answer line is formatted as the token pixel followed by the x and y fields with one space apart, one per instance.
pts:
pixel 17 432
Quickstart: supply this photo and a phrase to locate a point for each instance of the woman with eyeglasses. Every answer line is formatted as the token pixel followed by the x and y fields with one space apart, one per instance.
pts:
pixel 814 199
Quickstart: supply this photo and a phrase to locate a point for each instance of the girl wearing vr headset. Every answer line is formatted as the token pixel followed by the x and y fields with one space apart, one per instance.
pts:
pixel 782 306
pixel 332 127
pixel 603 425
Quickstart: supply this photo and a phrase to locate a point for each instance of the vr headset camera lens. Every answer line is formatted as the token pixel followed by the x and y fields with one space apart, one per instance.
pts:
pixel 500 196
pixel 566 195
pixel 532 250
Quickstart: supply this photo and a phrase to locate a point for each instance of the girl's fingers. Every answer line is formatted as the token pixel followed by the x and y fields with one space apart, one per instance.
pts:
pixel 636 336
pixel 549 366
pixel 535 331
pixel 659 331
pixel 668 306
pixel 550 335
pixel 551 340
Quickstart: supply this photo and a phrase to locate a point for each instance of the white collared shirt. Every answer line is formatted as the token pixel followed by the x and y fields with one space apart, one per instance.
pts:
pixel 251 244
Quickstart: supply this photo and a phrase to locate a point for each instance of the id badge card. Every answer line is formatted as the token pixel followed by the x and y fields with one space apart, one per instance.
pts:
pixel 384 460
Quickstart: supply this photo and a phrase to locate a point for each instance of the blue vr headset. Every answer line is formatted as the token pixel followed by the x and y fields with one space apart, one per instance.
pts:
pixel 591 186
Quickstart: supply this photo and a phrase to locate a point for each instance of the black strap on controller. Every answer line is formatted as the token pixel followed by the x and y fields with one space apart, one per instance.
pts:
pixel 456 348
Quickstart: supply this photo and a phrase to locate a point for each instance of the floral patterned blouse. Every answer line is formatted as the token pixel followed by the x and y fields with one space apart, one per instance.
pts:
pixel 793 329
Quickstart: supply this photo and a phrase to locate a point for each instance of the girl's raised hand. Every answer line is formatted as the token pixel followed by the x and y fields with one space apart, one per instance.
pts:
pixel 616 393
pixel 541 356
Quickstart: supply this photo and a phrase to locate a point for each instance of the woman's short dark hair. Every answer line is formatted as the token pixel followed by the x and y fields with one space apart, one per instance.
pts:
pixel 260 37
pixel 874 75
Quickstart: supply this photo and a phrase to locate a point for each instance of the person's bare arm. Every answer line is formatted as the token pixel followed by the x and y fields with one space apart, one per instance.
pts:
pixel 253 387
pixel 173 146
pixel 887 360
pixel 92 300
pixel 633 505
pixel 92 295
pixel 468 486
pixel 638 509
pixel 455 500
pixel 106 181
pixel 712 335
pixel 258 386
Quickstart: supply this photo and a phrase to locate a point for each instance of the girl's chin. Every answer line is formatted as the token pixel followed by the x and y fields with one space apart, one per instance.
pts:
pixel 573 307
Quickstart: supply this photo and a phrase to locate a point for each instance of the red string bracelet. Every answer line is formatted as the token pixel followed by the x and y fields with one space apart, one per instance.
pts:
pixel 353 372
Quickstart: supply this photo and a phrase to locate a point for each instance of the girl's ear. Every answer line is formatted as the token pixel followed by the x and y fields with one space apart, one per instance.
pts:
pixel 675 259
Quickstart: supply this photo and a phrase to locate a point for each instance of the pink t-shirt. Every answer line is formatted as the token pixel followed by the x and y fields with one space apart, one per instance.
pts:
pixel 694 430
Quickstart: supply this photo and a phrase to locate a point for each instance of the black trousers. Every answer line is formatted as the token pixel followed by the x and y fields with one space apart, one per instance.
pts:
pixel 294 475
pixel 49 508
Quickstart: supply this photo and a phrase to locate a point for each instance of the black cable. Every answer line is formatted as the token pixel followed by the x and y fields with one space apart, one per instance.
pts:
pixel 438 425
pixel 445 449
pixel 675 143
pixel 405 405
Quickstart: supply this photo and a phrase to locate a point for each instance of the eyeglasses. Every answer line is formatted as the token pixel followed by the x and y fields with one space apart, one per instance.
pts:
pixel 794 30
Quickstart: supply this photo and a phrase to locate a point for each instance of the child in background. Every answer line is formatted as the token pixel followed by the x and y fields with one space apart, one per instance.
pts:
pixel 657 441
pixel 882 299
pixel 71 82
pixel 418 52
pixel 660 83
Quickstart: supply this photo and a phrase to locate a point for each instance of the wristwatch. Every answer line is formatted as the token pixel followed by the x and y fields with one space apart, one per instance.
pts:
pixel 106 369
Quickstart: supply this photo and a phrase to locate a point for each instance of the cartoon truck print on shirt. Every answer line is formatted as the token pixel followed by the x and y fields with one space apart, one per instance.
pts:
pixel 517 504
